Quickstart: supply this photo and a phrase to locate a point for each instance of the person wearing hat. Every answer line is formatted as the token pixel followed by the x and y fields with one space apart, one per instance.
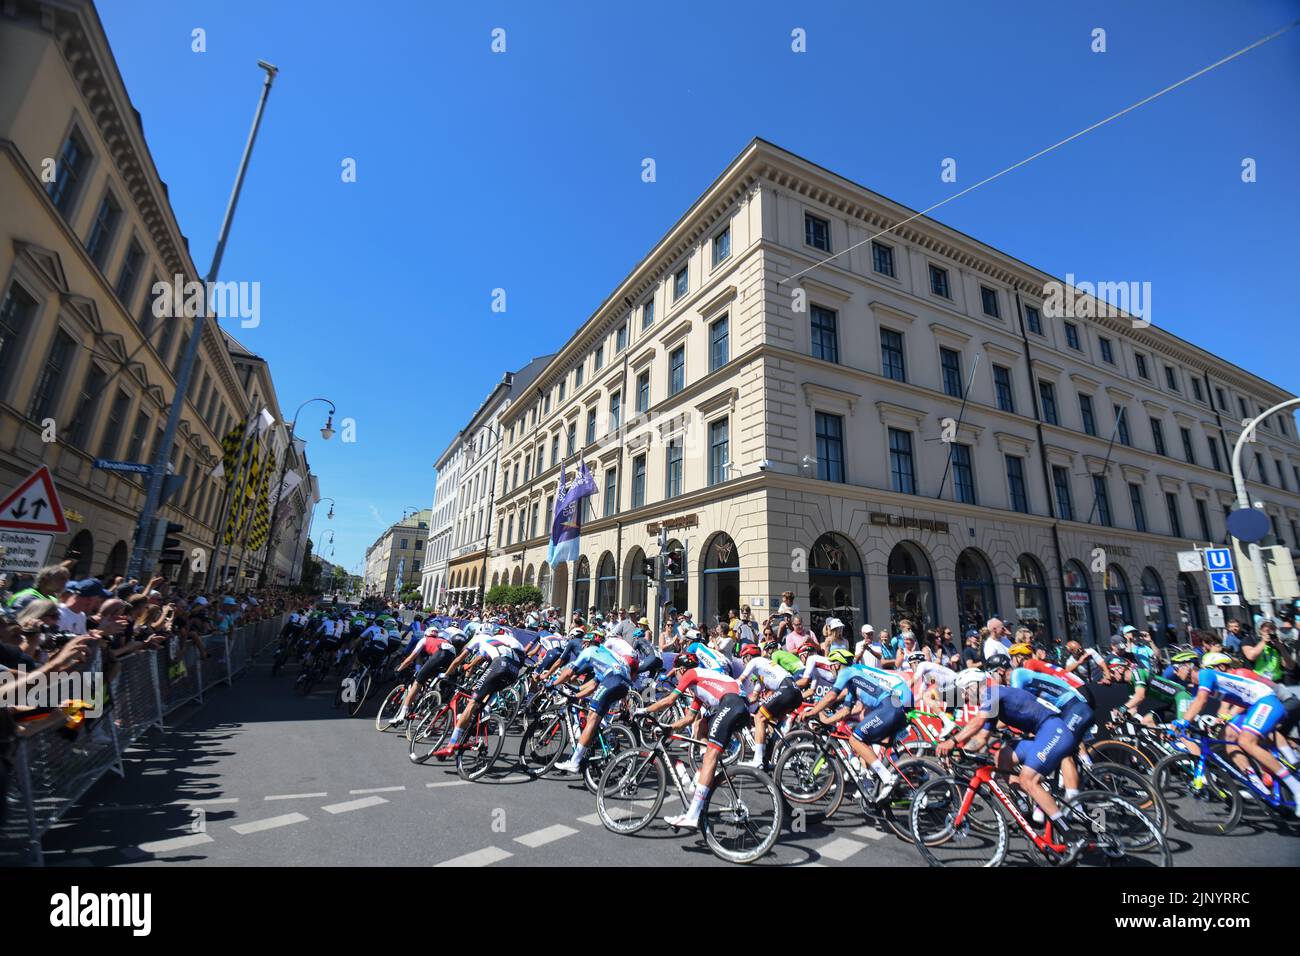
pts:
pixel 833 636
pixel 79 599
pixel 865 653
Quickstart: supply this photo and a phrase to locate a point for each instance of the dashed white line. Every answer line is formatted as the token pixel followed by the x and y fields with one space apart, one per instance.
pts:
pixel 353 805
pixel 448 783
pixel 868 833
pixel 377 790
pixel 270 823
pixel 204 801
pixel 295 796
pixel 176 843
pixel 484 857
pixel 546 835
pixel 591 819
pixel 840 849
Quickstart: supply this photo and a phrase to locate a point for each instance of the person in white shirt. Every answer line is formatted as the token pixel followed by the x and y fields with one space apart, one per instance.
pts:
pixel 996 642
pixel 80 598
pixel 863 654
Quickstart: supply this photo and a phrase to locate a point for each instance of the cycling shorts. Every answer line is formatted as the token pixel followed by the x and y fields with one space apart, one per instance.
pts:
pixel 610 691
pixel 1045 750
pixel 435 665
pixel 1162 710
pixel 1262 717
pixel 372 654
pixel 881 723
pixel 501 673
pixel 731 715
pixel 550 657
pixel 1078 718
pixel 652 665
pixel 784 701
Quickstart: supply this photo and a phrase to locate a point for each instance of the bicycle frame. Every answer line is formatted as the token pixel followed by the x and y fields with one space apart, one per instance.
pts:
pixel 1211 749
pixel 985 776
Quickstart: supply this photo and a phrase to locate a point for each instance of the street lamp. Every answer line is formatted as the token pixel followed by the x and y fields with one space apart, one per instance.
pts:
pixel 326 432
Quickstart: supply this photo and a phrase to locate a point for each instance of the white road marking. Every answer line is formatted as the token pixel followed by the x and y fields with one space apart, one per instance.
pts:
pixel 353 805
pixel 378 790
pixel 202 801
pixel 840 849
pixel 448 783
pixel 296 796
pixel 176 843
pixel 544 836
pixel 591 819
pixel 868 833
pixel 270 823
pixel 484 857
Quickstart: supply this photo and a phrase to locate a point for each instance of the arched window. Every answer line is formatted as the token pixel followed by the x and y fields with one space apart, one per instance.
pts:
pixel 81 549
pixel 544 582
pixel 606 584
pixel 1154 614
pixel 1189 605
pixel 836 584
pixel 1078 604
pixel 1119 603
pixel 528 575
pixel 976 595
pixel 911 586
pixel 582 587
pixel 721 580
pixel 1033 604
pixel 636 587
pixel 496 579
pixel 518 577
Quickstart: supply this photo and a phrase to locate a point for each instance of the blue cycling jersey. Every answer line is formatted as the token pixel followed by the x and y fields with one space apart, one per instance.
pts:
pixel 1235 688
pixel 1046 687
pixel 572 648
pixel 872 687
pixel 601 662
pixel 1016 708
pixel 708 657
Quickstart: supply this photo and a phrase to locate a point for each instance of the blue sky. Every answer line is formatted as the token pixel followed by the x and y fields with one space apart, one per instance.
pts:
pixel 522 171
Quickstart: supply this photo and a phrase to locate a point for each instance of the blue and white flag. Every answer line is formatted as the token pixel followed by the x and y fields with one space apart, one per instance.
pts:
pixel 567 521
pixel 401 566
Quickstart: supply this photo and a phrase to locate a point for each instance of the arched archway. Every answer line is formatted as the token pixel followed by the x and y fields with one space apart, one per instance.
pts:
pixel 544 582
pixel 1078 604
pixel 116 563
pixel 606 583
pixel 837 586
pixel 496 578
pixel 1033 602
pixel 528 576
pixel 560 588
pixel 911 586
pixel 1189 605
pixel 721 579
pixel 582 586
pixel 635 583
pixel 1154 615
pixel 81 549
pixel 517 578
pixel 1119 602
pixel 976 593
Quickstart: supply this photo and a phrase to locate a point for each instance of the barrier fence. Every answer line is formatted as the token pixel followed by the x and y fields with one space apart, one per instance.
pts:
pixel 53 769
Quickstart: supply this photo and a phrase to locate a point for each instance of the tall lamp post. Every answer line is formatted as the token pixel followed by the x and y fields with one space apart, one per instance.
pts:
pixel 492 492
pixel 326 432
pixel 298 543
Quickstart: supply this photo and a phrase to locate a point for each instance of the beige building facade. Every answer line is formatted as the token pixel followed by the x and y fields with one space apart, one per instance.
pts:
pixel 909 426
pixel 400 550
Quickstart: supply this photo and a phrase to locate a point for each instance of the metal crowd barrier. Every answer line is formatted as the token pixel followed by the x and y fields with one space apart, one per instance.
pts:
pixel 54 769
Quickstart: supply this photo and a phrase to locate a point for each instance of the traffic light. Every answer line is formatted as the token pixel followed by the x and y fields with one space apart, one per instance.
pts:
pixel 648 568
pixel 674 562
pixel 171 551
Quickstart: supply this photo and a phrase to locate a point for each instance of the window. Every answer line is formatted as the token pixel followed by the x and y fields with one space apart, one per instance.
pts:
pixel 1259 469
pixel 1221 398
pixel 1215 461
pixel 1196 389
pixel 1142 369
pixel 591 425
pixel 950 365
pixel 45 399
pixel 1203 519
pixel 1061 483
pixel 546 403
pixel 141 428
pixel 599 357
pixel 830 447
pixel 1158 436
pixel 882 259
pixel 638 481
pixel 719 460
pixel 555 449
pixel 1241 403
pixel 939 282
pixel 825 335
pixel 615 410
pixel 1047 396
pixel 963 475
pixel 620 338
pixel 648 314
pixel 1102 500
pixel 1121 425
pixel 132 263
pixel 816 232
pixel 719 343
pixel 528 468
pixel 1002 388
pixel 1189 453
pixel 1281 478
pixel 902 477
pixel 1033 321
pixel 1072 336
pixel 577 379
pixel 677 370
pixel 722 245
pixel 1139 510
pixel 681 283
pixel 510 534
pixel 69 172
pixel 572 443
pixel 562 384
pixel 1171 378
pixel 103 228
pixel 1107 353
pixel 611 492
pixel 1175 517
pixel 403 545
pixel 1085 412
pixel 643 392
pixel 1016 484
pixel 989 301
pixel 83 419
pixel 891 355
pixel 673 469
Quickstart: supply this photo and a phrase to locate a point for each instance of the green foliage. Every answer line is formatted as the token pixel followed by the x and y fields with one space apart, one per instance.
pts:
pixel 514 594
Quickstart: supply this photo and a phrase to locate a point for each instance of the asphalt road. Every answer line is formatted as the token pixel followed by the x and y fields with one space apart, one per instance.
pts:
pixel 268 778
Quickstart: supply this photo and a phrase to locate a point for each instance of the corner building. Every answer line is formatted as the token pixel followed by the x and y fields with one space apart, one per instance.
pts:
pixel 903 431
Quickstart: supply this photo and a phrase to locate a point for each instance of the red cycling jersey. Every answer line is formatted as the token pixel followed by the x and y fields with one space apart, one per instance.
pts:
pixel 706 687
pixel 1042 667
pixel 433 644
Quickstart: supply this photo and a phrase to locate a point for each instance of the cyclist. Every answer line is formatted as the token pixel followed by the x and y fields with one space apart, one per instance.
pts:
pixel 506 655
pixel 1163 697
pixel 759 675
pixel 1059 689
pixel 438 652
pixel 611 680
pixel 934 687
pixel 1248 729
pixel 783 658
pixel 884 697
pixel 817 674
pixel 707 656
pixel 717 697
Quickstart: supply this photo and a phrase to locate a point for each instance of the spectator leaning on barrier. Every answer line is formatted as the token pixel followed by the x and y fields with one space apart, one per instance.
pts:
pixel 49 584
pixel 80 598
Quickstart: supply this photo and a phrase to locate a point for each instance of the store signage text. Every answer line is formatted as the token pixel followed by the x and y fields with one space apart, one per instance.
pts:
pixel 670 524
pixel 903 521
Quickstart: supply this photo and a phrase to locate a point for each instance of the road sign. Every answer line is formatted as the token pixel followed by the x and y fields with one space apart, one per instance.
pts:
pixel 1190 561
pixel 136 467
pixel 1249 524
pixel 1223 582
pixel 23 551
pixel 1214 615
pixel 1218 559
pixel 34 505
pixel 1227 600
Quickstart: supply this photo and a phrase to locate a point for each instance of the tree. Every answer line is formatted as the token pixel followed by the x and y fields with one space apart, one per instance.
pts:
pixel 310 578
pixel 514 594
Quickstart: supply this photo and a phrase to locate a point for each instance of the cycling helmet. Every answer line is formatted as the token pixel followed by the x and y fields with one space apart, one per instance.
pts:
pixel 1184 657
pixel 997 662
pixel 750 650
pixel 577 632
pixel 771 646
pixel 914 658
pixel 1215 659
pixel 686 661
pixel 1021 650
pixel 840 656
pixel 807 647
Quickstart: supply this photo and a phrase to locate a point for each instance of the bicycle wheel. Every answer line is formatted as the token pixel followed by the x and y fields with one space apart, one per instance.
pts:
pixel 947 836
pixel 424 705
pixel 742 816
pixel 1122 834
pixel 1200 802
pixel 363 685
pixel 1132 786
pixel 389 707
pixel 611 741
pixel 484 747
pixel 808 776
pixel 544 741
pixel 1123 753
pixel 631 791
pixel 430 733
pixel 913 773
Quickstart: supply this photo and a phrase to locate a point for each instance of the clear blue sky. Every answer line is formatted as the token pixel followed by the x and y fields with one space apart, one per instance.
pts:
pixel 522 171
